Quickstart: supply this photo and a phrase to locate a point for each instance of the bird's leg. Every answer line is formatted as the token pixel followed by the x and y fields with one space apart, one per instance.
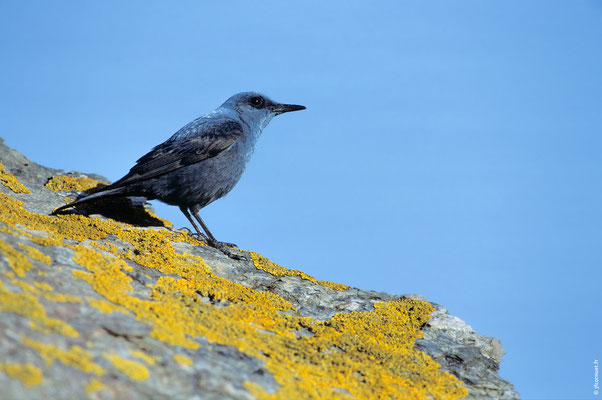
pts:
pixel 195 213
pixel 213 242
pixel 198 233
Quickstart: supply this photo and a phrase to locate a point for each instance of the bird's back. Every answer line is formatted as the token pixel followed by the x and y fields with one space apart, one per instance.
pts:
pixel 197 165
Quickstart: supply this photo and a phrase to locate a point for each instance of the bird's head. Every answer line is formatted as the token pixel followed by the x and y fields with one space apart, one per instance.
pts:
pixel 257 109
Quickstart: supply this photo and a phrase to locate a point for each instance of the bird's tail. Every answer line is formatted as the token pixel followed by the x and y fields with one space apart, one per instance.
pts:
pixel 107 192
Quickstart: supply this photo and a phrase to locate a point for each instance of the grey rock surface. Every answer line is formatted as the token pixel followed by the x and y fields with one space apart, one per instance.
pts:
pixel 473 358
pixel 207 370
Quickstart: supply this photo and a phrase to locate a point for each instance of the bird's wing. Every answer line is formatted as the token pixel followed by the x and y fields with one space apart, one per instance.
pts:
pixel 177 153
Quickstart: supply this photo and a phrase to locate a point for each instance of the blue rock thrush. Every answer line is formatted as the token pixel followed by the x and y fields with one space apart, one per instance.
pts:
pixel 201 162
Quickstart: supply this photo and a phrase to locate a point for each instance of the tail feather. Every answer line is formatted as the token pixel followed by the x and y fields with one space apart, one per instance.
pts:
pixel 94 196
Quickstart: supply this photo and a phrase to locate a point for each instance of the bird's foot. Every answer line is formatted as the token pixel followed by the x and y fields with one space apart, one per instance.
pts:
pixel 180 229
pixel 214 243
pixel 228 244
pixel 223 247
pixel 199 236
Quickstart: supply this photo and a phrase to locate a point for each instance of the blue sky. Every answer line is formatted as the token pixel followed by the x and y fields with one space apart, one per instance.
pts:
pixel 451 149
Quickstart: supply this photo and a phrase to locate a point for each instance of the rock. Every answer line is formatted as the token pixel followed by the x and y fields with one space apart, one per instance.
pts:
pixel 128 307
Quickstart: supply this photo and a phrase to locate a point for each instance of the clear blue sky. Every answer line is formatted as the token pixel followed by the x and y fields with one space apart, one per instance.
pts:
pixel 451 149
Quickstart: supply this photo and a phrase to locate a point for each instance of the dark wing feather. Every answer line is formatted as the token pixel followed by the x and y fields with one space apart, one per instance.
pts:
pixel 178 153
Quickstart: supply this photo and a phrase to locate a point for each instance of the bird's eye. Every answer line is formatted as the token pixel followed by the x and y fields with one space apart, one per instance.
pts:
pixel 256 101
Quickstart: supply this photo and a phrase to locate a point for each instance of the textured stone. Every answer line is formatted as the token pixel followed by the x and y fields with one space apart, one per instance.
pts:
pixel 128 307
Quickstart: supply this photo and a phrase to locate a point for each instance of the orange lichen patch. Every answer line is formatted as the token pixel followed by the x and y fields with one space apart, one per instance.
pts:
pixel 16 261
pixel 94 385
pixel 182 359
pixel 363 353
pixel 367 355
pixel 28 374
pixel 43 286
pixel 133 369
pixel 33 289
pixel 104 306
pixel 353 355
pixel 112 278
pixel 166 222
pixel 143 356
pixel 28 305
pixel 75 227
pixel 333 285
pixel 9 275
pixel 35 254
pixel 51 230
pixel 65 183
pixel 9 180
pixel 51 239
pixel 75 357
pixel 271 267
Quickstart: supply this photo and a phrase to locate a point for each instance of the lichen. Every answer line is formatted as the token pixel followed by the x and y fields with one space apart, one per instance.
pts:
pixel 182 359
pixel 28 374
pixel 143 356
pixel 333 285
pixel 35 290
pixel 35 254
pixel 16 261
pixel 271 267
pixel 64 183
pixel 27 305
pixel 75 357
pixel 43 286
pixel 94 385
pixel 10 181
pixel 104 306
pixel 358 354
pixel 133 369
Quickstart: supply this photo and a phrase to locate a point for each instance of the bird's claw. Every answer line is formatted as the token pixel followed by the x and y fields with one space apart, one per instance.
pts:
pixel 228 244
pixel 222 246
pixel 199 236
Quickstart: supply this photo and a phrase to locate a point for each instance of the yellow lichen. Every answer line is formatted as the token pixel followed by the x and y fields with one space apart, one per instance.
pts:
pixel 75 357
pixel 43 286
pixel 333 285
pixel 9 180
pixel 166 222
pixel 182 359
pixel 359 354
pixel 8 274
pixel 28 305
pixel 94 385
pixel 271 267
pixel 35 254
pixel 28 374
pixel 364 354
pixel 104 306
pixel 65 183
pixel 143 356
pixel 131 368
pixel 33 289
pixel 17 261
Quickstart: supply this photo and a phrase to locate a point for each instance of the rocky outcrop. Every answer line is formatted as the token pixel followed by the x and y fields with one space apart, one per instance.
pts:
pixel 111 302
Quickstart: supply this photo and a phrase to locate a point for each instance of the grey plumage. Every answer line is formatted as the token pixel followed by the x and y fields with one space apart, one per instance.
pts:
pixel 202 161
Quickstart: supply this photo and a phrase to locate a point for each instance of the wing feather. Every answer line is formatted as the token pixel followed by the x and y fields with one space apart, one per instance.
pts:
pixel 180 152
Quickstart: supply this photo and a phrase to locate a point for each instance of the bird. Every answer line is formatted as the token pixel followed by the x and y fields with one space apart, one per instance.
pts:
pixel 200 163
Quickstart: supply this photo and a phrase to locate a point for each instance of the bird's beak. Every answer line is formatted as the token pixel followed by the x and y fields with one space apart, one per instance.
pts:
pixel 283 108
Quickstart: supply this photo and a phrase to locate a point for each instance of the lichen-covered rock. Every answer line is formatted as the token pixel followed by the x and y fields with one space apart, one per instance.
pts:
pixel 128 307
